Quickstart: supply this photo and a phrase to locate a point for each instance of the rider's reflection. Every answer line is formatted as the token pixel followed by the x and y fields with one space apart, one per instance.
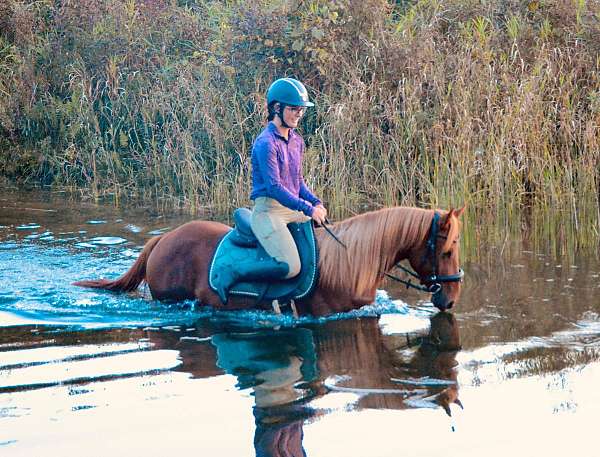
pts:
pixel 277 366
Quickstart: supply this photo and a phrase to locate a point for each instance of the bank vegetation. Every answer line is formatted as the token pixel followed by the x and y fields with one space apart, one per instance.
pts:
pixel 495 103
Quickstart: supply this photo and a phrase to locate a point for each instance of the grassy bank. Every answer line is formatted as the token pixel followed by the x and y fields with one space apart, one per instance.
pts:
pixel 492 103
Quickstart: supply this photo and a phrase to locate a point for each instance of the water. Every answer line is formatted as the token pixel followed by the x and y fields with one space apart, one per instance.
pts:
pixel 148 379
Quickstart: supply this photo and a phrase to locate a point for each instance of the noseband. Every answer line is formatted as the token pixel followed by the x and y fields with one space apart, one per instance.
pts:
pixel 433 282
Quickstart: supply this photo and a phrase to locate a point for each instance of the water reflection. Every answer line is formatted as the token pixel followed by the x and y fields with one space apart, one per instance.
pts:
pixel 278 367
pixel 270 362
pixel 436 360
pixel 288 372
pixel 273 364
pixel 395 371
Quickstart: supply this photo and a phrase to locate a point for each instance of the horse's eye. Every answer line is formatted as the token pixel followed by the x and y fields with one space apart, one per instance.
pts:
pixel 447 254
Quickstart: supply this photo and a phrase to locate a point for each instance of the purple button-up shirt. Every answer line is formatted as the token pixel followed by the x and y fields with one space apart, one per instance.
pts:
pixel 277 170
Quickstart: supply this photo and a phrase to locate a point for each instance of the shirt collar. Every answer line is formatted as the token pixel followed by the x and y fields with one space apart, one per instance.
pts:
pixel 273 128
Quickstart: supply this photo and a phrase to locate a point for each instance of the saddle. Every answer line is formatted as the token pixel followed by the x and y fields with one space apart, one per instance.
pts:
pixel 240 244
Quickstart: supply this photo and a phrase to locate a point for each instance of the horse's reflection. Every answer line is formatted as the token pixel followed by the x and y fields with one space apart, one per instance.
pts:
pixel 423 369
pixel 286 369
pixel 436 358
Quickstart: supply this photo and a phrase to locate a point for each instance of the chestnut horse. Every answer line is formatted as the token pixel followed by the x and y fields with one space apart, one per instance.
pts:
pixel 175 265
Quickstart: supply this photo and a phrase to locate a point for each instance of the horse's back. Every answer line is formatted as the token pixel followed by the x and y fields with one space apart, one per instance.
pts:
pixel 177 267
pixel 194 233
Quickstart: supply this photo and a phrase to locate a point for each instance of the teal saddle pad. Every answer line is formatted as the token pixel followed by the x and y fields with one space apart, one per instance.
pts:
pixel 235 247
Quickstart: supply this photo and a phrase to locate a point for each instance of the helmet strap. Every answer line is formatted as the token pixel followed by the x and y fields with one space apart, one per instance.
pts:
pixel 280 114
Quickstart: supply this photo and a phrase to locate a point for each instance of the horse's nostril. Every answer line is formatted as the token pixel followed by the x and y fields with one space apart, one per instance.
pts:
pixel 450 304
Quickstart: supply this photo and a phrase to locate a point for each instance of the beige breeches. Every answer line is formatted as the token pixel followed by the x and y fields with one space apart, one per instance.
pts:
pixel 269 224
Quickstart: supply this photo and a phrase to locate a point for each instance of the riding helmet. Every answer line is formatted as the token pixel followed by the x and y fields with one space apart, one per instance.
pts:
pixel 288 91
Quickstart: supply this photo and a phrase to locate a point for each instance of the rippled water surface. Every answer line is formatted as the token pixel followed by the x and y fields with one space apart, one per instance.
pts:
pixel 85 372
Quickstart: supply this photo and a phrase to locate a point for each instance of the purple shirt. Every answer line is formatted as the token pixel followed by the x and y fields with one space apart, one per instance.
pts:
pixel 277 170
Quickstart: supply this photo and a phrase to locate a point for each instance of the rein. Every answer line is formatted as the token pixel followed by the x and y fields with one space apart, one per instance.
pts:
pixel 434 280
pixel 328 230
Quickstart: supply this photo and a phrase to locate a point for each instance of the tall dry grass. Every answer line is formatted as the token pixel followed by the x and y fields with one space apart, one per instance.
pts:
pixel 495 104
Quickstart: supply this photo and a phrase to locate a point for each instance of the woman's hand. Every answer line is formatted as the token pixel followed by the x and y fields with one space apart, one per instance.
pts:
pixel 319 214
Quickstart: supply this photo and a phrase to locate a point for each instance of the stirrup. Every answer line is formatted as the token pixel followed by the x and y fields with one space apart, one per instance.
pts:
pixel 277 308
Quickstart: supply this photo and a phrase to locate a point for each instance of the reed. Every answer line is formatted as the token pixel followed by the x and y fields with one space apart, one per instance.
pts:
pixel 419 103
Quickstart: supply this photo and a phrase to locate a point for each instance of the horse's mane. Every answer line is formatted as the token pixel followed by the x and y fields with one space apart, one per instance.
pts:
pixel 373 240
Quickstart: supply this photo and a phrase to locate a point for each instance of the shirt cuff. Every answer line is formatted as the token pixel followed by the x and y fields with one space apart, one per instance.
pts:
pixel 308 209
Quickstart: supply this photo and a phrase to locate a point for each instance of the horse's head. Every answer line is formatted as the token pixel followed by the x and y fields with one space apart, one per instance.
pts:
pixel 437 260
pixel 444 332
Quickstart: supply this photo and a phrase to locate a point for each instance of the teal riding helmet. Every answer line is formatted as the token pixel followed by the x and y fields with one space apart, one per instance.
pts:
pixel 288 91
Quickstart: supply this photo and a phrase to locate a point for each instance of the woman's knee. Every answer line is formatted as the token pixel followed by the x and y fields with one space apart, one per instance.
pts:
pixel 294 267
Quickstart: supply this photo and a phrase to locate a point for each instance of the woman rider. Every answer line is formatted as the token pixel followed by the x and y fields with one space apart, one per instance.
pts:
pixel 278 189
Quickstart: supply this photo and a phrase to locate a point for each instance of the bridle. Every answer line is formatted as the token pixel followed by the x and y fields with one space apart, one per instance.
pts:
pixel 433 282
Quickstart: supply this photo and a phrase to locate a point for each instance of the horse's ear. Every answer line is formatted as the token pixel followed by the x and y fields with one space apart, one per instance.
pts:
pixel 445 225
pixel 453 212
pixel 459 212
pixel 447 409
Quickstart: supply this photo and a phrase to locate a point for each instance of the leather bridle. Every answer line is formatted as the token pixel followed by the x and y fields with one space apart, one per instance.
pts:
pixel 433 282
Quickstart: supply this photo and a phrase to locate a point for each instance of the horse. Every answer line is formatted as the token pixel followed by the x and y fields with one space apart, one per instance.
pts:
pixel 353 264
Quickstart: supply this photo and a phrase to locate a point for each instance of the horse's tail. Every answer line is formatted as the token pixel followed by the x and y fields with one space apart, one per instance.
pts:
pixel 130 280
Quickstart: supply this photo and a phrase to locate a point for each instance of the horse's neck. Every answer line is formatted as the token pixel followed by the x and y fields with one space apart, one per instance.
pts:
pixel 375 242
pixel 400 235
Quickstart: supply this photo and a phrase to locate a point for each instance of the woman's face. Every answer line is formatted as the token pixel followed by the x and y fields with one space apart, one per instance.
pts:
pixel 293 114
